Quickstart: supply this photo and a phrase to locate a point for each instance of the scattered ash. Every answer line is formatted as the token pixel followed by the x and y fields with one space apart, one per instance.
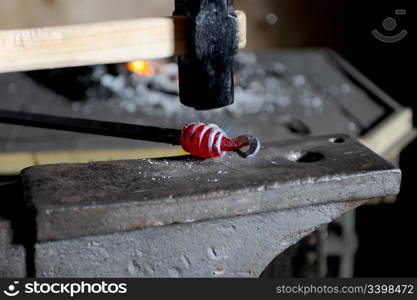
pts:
pixel 258 88
pixel 262 90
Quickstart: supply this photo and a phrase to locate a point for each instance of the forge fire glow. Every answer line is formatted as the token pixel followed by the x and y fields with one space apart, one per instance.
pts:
pixel 141 67
pixel 209 141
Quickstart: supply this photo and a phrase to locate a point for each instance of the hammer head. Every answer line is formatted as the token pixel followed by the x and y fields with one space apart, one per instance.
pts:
pixel 206 71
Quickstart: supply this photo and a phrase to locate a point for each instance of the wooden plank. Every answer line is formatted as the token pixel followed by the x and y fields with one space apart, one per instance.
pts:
pixel 390 132
pixel 97 43
pixel 13 163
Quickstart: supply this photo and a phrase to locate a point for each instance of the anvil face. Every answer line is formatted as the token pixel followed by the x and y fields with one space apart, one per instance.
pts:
pixel 73 200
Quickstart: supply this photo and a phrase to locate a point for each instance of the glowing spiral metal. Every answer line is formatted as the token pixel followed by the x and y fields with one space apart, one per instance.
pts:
pixel 208 140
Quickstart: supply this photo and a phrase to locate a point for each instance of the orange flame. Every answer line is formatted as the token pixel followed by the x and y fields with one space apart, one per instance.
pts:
pixel 141 67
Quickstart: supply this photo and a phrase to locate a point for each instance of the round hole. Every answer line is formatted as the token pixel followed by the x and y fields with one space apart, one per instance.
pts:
pixel 305 156
pixel 337 140
pixel 297 127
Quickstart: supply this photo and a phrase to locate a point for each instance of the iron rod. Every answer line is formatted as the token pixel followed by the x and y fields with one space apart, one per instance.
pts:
pixel 114 129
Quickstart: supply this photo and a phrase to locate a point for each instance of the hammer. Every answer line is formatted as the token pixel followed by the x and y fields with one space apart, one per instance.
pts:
pixel 204 34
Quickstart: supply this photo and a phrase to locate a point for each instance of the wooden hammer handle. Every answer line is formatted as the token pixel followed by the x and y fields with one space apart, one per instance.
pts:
pixel 98 43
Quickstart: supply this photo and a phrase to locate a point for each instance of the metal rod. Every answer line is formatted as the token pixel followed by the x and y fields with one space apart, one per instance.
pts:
pixel 121 130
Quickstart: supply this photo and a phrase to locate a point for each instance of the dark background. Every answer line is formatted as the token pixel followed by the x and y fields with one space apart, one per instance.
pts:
pixel 387 233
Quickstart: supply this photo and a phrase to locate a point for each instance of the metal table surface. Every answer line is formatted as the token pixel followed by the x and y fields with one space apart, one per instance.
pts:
pixel 289 92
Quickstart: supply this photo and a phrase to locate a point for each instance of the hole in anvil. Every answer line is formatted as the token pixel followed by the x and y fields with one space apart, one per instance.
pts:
pixel 305 156
pixel 337 140
pixel 297 127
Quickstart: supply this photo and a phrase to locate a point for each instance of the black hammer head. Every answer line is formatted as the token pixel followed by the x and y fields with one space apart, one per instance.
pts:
pixel 206 71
